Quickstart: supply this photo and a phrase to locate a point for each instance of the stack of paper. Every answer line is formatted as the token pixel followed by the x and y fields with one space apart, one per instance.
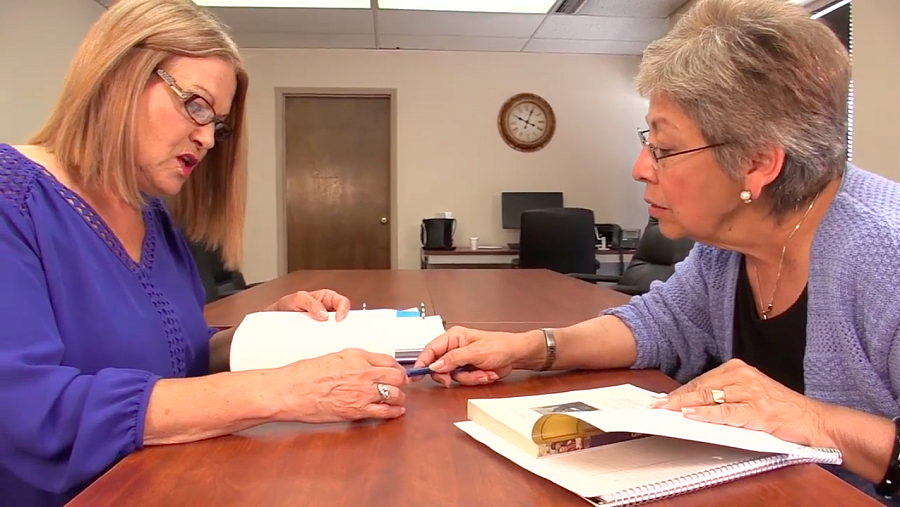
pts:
pixel 608 446
pixel 275 339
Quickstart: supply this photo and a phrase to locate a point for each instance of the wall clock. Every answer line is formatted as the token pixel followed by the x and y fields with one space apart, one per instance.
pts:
pixel 526 122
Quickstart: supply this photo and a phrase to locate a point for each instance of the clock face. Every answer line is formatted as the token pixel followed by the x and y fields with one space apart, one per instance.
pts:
pixel 526 122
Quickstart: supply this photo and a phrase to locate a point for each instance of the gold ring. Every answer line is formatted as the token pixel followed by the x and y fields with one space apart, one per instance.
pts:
pixel 718 396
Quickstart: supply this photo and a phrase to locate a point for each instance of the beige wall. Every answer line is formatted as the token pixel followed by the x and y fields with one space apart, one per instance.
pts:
pixel 450 156
pixel 876 80
pixel 43 35
pixel 440 162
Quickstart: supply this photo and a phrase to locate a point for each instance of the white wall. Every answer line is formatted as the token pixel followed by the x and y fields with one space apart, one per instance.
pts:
pixel 42 35
pixel 876 80
pixel 450 156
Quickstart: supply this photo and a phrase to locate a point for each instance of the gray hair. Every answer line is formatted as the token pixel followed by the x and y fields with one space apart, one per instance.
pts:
pixel 756 74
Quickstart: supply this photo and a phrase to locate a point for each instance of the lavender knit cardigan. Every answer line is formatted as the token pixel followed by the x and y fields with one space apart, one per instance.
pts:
pixel 852 350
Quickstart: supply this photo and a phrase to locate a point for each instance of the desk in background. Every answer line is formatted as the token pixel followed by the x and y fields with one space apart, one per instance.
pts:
pixel 420 458
pixel 499 258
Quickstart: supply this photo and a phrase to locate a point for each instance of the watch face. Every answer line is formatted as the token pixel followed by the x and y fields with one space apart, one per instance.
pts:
pixel 527 122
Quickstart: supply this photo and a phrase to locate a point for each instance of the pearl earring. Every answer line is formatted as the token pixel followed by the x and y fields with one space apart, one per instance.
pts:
pixel 746 197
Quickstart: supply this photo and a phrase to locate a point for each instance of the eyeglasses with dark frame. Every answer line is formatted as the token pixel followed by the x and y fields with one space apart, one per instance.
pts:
pixel 198 108
pixel 656 153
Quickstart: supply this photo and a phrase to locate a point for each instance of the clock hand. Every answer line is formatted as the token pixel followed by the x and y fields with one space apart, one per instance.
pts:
pixel 524 120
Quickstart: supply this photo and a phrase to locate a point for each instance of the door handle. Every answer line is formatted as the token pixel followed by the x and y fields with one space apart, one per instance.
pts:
pixel 384 220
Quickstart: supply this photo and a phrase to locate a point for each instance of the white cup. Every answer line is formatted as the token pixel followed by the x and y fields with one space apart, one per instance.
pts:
pixel 473 242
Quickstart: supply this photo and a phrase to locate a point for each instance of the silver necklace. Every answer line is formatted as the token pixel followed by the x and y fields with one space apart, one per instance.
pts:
pixel 768 308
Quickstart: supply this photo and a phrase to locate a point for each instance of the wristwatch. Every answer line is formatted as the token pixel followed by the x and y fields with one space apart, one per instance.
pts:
pixel 889 487
pixel 551 349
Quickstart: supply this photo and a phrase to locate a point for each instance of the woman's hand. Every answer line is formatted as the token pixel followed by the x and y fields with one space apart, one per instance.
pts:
pixel 342 386
pixel 492 354
pixel 318 303
pixel 751 400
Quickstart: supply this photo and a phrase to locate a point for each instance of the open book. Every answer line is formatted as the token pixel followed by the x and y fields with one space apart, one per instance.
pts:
pixel 274 339
pixel 607 446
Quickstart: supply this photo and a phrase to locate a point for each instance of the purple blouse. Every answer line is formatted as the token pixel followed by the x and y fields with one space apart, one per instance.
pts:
pixel 85 334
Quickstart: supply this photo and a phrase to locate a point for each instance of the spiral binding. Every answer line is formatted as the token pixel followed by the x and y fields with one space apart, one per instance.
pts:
pixel 715 476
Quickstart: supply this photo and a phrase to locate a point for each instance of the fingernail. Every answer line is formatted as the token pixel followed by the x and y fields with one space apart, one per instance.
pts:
pixel 659 401
pixel 688 410
pixel 323 315
pixel 660 396
pixel 437 365
pixel 492 376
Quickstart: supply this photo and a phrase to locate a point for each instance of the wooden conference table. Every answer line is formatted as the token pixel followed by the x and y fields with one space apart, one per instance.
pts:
pixel 420 458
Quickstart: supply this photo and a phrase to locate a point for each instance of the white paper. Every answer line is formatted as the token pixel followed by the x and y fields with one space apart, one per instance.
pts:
pixel 275 339
pixel 623 408
pixel 521 412
pixel 608 469
pixel 669 423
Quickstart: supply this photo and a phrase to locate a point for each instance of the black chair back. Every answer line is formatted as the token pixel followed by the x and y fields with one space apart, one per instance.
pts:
pixel 559 239
pixel 654 258
pixel 218 281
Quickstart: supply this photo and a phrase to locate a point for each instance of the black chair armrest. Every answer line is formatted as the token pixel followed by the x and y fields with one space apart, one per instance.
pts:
pixel 590 277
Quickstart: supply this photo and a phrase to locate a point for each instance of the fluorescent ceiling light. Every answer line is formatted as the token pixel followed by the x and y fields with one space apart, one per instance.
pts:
pixel 515 6
pixel 830 8
pixel 322 4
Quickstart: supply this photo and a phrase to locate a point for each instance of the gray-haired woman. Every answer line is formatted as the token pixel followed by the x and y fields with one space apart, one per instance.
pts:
pixel 792 288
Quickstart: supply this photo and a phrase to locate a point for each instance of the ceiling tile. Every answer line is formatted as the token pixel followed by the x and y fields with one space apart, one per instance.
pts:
pixel 319 21
pixel 457 23
pixel 631 8
pixel 304 40
pixel 451 42
pixel 602 28
pixel 606 47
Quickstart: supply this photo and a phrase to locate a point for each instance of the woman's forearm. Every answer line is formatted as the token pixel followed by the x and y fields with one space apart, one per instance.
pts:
pixel 190 409
pixel 600 343
pixel 865 440
pixel 220 351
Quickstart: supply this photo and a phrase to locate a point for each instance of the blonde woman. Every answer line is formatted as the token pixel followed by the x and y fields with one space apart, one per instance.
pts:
pixel 104 349
pixel 792 289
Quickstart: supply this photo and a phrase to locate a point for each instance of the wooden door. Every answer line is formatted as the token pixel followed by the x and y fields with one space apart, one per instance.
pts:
pixel 337 182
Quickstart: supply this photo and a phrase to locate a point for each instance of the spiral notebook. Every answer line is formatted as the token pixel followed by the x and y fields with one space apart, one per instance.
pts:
pixel 641 454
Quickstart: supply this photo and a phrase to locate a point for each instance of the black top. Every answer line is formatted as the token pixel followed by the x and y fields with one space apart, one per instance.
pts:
pixel 775 346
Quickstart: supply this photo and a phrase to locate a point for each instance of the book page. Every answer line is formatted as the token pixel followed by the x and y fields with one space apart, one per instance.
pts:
pixel 669 423
pixel 603 471
pixel 522 412
pixel 275 339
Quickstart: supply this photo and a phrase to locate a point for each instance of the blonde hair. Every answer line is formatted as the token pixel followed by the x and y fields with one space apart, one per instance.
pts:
pixel 754 74
pixel 92 129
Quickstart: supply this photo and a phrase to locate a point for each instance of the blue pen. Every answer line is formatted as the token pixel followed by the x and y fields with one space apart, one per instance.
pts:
pixel 416 372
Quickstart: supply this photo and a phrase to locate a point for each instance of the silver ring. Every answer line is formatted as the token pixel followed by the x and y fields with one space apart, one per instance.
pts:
pixel 718 396
pixel 383 391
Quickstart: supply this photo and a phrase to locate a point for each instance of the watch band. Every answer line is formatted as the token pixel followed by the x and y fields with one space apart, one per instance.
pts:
pixel 889 487
pixel 551 349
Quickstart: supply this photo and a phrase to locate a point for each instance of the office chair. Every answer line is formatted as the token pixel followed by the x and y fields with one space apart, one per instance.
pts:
pixel 654 259
pixel 559 239
pixel 218 282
